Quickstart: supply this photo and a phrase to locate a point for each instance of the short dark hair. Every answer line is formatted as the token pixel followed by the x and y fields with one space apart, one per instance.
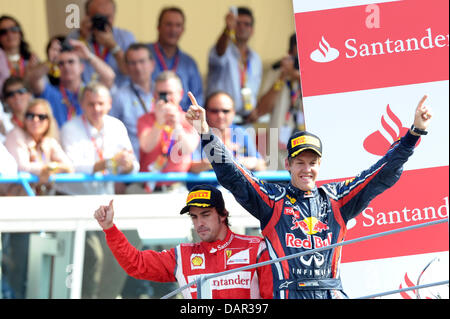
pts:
pixel 246 11
pixel 12 80
pixel 170 9
pixel 138 46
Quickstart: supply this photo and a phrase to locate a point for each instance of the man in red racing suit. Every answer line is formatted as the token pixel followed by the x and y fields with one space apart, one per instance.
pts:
pixel 299 216
pixel 219 250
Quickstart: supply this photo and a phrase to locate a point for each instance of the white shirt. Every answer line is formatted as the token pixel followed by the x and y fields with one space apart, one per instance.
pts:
pixel 85 146
pixel 8 164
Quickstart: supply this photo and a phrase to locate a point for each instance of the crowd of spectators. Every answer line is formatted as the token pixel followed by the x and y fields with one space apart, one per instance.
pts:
pixel 102 102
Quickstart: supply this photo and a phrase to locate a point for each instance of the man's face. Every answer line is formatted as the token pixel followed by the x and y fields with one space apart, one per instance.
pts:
pixel 95 106
pixel 220 111
pixel 139 65
pixel 70 66
pixel 171 28
pixel 103 7
pixel 208 224
pixel 304 169
pixel 244 27
pixel 172 88
pixel 17 98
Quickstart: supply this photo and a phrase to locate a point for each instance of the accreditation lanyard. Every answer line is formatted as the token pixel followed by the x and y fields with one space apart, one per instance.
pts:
pixel 162 61
pixel 103 54
pixel 98 150
pixel 166 140
pixel 244 69
pixel 19 70
pixel 69 103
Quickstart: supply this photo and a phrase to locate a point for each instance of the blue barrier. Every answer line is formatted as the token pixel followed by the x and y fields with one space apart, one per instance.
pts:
pixel 26 178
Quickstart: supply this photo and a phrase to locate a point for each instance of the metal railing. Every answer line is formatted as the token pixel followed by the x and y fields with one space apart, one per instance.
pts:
pixel 204 290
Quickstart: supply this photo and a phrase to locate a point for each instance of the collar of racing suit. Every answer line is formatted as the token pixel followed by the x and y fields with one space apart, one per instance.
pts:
pixel 215 246
pixel 302 194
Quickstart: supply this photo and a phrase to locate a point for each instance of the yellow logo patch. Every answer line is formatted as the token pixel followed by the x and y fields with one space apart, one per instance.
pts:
pixel 198 194
pixel 305 140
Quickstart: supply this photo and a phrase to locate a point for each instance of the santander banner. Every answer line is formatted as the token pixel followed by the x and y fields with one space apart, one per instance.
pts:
pixel 364 67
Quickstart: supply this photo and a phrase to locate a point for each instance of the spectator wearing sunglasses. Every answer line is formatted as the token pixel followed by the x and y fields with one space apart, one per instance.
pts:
pixel 16 98
pixel 17 50
pixel 220 114
pixel 64 98
pixel 35 146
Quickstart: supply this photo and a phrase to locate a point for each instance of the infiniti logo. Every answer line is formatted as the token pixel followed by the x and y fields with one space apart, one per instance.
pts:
pixel 325 53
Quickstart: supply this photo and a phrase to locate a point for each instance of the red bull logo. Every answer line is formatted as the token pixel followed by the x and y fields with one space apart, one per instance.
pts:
pixel 309 242
pixel 310 225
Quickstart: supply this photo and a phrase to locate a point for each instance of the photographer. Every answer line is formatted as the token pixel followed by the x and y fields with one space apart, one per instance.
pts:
pixel 166 139
pixel 103 39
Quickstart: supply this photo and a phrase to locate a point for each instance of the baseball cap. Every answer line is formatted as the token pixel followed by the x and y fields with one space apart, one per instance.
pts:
pixel 302 141
pixel 204 196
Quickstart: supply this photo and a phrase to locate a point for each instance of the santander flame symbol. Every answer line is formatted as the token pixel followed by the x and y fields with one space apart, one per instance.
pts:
pixel 379 142
pixel 325 53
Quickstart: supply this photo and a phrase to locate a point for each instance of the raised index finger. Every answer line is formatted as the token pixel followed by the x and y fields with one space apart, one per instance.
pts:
pixel 192 98
pixel 422 100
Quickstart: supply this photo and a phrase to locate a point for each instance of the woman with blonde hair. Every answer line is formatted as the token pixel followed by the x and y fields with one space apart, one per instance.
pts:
pixel 36 146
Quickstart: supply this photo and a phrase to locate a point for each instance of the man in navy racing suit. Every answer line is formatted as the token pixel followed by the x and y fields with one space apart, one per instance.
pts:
pixel 300 216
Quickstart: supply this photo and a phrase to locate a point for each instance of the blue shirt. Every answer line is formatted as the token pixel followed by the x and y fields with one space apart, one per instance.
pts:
pixel 123 38
pixel 185 67
pixel 224 75
pixel 127 107
pixel 59 107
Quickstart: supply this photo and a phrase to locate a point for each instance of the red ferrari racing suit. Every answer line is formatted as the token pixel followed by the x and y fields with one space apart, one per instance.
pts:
pixel 294 221
pixel 186 262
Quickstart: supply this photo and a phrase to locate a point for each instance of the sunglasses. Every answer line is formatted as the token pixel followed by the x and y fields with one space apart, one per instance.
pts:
pixel 20 91
pixel 30 116
pixel 14 29
pixel 216 111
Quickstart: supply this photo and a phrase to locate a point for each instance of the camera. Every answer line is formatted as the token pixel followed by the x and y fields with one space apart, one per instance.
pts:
pixel 163 96
pixel 99 22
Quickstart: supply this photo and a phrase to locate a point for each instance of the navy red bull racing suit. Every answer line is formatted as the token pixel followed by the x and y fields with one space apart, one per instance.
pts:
pixel 293 220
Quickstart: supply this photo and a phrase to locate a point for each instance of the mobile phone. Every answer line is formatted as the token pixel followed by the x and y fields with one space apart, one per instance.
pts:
pixel 234 10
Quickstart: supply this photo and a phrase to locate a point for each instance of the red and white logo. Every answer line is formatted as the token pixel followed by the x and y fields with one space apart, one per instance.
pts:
pixel 325 53
pixel 379 142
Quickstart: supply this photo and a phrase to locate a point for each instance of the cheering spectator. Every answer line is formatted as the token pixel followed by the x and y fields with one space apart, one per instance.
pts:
pixel 233 66
pixel 64 98
pixel 169 56
pixel 282 98
pixel 105 40
pixel 135 97
pixel 12 41
pixel 166 139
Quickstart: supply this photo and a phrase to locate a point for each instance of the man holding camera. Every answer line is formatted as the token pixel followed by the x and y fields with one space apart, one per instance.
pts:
pixel 103 39
pixel 166 139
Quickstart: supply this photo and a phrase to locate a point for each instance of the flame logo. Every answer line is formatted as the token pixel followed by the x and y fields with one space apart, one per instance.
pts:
pixel 379 142
pixel 325 53
pixel 407 283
